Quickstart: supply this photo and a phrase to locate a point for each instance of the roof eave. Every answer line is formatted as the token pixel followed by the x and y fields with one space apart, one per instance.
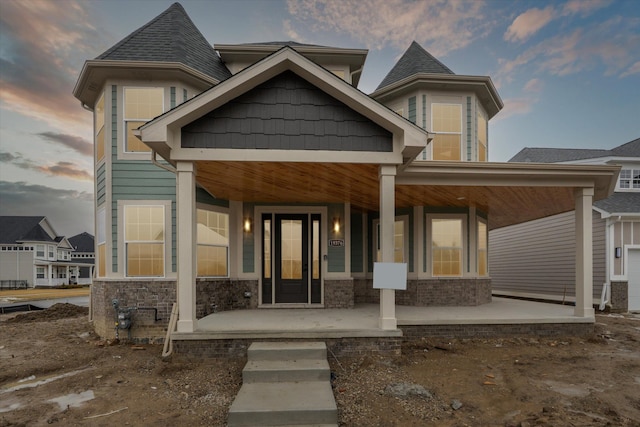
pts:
pixel 480 84
pixel 96 71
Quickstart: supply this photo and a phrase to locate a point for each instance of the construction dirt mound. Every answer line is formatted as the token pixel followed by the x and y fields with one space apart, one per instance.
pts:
pixel 55 312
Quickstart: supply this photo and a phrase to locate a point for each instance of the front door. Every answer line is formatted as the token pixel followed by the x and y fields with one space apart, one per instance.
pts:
pixel 291 258
pixel 291 267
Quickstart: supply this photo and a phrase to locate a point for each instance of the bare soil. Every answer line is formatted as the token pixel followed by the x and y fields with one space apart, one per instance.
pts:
pixel 54 370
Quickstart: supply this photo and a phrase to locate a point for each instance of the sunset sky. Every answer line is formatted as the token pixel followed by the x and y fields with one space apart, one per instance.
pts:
pixel 568 73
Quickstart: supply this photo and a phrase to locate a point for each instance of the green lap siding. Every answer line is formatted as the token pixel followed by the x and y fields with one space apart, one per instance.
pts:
pixel 357 250
pixel 101 185
pixel 336 254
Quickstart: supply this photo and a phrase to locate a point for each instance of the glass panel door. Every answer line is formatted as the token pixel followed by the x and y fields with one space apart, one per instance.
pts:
pixel 291 258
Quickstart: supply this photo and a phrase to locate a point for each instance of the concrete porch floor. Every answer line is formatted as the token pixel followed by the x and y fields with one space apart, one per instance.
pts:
pixel 362 321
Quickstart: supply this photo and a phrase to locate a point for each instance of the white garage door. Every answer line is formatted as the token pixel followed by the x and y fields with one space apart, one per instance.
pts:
pixel 633 270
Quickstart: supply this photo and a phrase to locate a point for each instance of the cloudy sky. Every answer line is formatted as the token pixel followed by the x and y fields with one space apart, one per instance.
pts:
pixel 568 72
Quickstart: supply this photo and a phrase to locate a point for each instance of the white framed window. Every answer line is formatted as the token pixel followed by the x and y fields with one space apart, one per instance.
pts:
pixel 40 273
pixel 144 234
pixel 446 237
pixel 101 242
pixel 52 252
pixel 213 243
pixel 629 179
pixel 141 104
pixel 400 239
pixel 40 251
pixel 483 262
pixel 446 122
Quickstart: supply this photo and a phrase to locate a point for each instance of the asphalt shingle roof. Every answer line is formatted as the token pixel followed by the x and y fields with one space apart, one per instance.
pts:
pixel 83 242
pixel 621 202
pixel 416 60
pixel 15 229
pixel 556 155
pixel 170 37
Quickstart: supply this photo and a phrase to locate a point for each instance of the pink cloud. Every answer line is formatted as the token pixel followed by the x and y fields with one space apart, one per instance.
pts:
pixel 514 107
pixel 528 23
pixel 440 26
pixel 533 85
pixel 66 169
pixel 583 7
pixel 633 69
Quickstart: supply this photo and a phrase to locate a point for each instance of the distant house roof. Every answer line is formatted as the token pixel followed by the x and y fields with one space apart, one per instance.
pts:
pixel 557 155
pixel 622 202
pixel 170 37
pixel 17 229
pixel 416 60
pixel 83 242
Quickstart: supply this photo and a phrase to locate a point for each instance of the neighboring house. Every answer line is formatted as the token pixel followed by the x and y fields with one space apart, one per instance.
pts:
pixel 84 254
pixel 258 175
pixel 33 255
pixel 534 259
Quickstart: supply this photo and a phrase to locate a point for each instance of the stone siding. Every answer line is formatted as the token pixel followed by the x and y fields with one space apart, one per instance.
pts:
pixel 149 296
pixel 431 292
pixel 224 295
pixel 619 301
pixel 413 332
pixel 237 348
pixel 338 293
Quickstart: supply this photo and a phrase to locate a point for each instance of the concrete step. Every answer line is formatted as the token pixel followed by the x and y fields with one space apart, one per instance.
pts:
pixel 284 403
pixel 287 350
pixel 286 370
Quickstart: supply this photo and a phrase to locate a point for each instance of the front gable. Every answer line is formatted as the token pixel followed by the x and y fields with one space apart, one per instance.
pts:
pixel 287 113
pixel 284 108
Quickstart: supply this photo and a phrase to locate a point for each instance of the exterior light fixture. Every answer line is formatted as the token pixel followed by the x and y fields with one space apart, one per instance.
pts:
pixel 247 225
pixel 336 225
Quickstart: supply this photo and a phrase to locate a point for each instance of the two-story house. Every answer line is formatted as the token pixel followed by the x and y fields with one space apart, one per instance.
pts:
pixel 32 254
pixel 259 176
pixel 534 259
pixel 84 254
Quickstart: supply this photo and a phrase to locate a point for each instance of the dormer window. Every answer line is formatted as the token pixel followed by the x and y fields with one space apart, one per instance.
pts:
pixel 629 179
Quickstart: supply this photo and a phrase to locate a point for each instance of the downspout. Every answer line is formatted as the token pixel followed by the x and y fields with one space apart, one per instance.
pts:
pixel 606 289
pixel 154 160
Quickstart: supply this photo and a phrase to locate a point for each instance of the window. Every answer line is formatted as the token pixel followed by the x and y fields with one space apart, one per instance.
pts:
pixel 482 248
pixel 101 237
pixel 99 128
pixel 140 106
pixel 213 243
pixel 40 273
pixel 446 246
pixel 399 254
pixel 446 122
pixel 630 179
pixel 482 136
pixel 51 252
pixel 40 251
pixel 144 240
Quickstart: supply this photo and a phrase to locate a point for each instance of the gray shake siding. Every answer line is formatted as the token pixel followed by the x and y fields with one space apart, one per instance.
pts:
pixel 286 113
pixel 538 257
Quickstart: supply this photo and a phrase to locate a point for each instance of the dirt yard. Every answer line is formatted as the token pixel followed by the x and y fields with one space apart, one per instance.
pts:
pixel 54 370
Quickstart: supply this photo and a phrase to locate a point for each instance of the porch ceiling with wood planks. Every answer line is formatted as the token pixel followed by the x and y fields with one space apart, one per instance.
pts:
pixel 508 193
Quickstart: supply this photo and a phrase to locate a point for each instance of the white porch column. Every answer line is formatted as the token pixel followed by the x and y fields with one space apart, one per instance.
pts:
pixel 186 218
pixel 387 178
pixel 584 253
pixel 50 274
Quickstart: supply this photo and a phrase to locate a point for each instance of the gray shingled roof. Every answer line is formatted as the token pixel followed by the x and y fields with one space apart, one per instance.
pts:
pixel 286 43
pixel 83 242
pixel 621 202
pixel 415 60
pixel 556 155
pixel 170 37
pixel 15 229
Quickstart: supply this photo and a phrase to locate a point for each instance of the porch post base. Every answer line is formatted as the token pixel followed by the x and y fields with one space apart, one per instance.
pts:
pixel 185 326
pixel 388 323
pixel 584 312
